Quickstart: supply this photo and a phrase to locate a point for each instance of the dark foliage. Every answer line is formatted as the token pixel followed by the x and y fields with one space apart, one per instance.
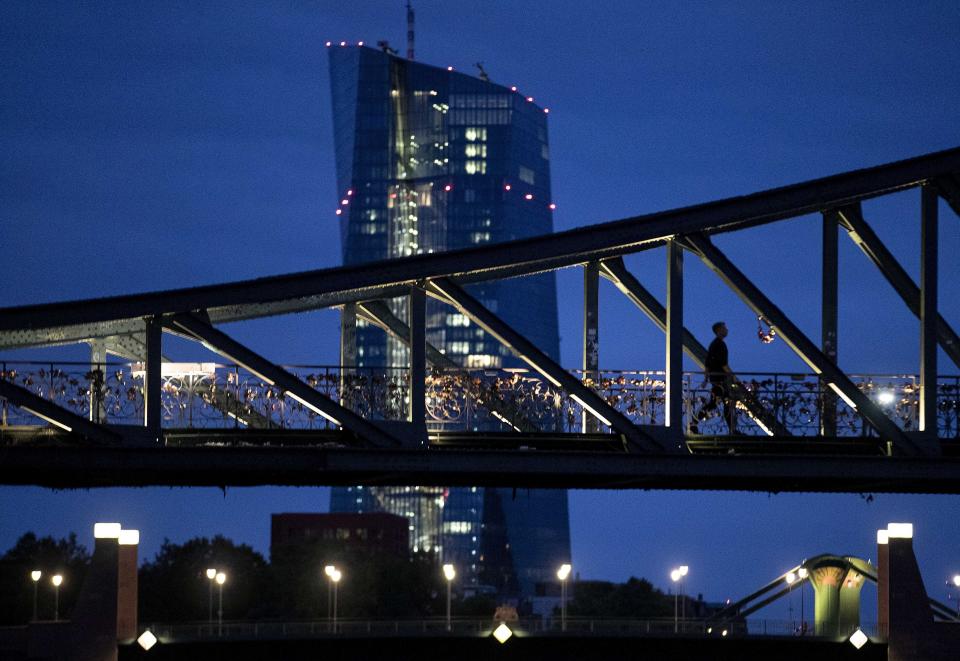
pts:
pixel 51 556
pixel 174 586
pixel 636 598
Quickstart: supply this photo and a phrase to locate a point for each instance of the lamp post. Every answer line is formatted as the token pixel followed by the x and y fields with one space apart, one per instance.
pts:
pixel 211 575
pixel 802 574
pixel 684 570
pixel 791 578
pixel 675 576
pixel 563 573
pixel 220 578
pixel 449 573
pixel 328 572
pixel 56 580
pixel 35 577
pixel 956 584
pixel 335 576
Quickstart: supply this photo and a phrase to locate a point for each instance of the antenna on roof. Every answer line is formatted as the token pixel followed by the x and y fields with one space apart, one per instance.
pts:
pixel 483 74
pixel 409 31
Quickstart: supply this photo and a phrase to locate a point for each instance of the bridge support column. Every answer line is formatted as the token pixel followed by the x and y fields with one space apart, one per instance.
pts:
pixel 591 337
pixel 828 320
pixel 152 407
pixel 348 348
pixel 417 317
pixel 98 368
pixel 674 348
pixel 928 311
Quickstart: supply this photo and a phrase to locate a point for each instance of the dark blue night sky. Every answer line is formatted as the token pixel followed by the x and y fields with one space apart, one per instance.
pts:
pixel 147 146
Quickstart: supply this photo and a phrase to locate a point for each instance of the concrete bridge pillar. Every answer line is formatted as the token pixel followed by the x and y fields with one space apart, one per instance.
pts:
pixel 837 585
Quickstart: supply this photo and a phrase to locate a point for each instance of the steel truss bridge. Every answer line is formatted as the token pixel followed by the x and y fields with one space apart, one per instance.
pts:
pixel 133 416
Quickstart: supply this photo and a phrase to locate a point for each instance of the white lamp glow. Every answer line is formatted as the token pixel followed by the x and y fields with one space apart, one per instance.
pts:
pixel 147 640
pixel 35 575
pixel 900 531
pixel 564 571
pixel 211 574
pixel 858 639
pixel 129 537
pixel 106 530
pixel 449 572
pixel 502 633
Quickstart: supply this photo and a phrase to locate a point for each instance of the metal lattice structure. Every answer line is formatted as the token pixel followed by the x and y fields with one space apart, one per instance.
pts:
pixel 437 423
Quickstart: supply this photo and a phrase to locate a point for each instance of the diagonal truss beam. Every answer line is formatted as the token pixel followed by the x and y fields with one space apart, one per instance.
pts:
pixel 544 365
pixel 317 402
pixel 801 344
pixel 949 189
pixel 57 415
pixel 616 271
pixel 867 240
pixel 379 313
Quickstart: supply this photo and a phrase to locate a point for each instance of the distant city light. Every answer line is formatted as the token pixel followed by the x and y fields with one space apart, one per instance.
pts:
pixel 886 397
pixel 329 44
pixel 528 196
pixel 349 192
pixel 529 99
pixel 449 68
pixel 553 206
pixel 359 43
pixel 339 211
pixel 546 110
pixel 506 187
pixel 448 188
pixel 956 580
pixel 343 43
pixel 513 88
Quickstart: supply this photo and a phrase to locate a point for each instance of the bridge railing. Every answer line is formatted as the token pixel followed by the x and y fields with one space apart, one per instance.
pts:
pixel 431 627
pixel 213 395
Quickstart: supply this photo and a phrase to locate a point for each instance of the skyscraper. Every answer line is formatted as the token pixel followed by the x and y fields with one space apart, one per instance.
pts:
pixel 429 160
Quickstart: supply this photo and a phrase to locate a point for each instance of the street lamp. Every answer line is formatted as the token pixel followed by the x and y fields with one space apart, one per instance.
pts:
pixel 211 575
pixel 956 584
pixel 220 578
pixel 684 570
pixel 449 573
pixel 56 580
pixel 563 573
pixel 328 571
pixel 35 577
pixel 675 576
pixel 802 575
pixel 791 578
pixel 335 576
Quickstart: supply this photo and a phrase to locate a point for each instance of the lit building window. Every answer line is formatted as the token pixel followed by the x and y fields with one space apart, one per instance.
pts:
pixel 475 134
pixel 459 347
pixel 457 320
pixel 479 237
pixel 527 175
pixel 482 360
pixel 457 527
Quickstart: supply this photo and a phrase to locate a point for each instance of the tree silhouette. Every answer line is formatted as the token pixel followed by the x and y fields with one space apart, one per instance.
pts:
pixel 173 587
pixel 51 556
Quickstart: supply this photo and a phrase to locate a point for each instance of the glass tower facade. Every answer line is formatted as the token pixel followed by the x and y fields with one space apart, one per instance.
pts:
pixel 430 160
